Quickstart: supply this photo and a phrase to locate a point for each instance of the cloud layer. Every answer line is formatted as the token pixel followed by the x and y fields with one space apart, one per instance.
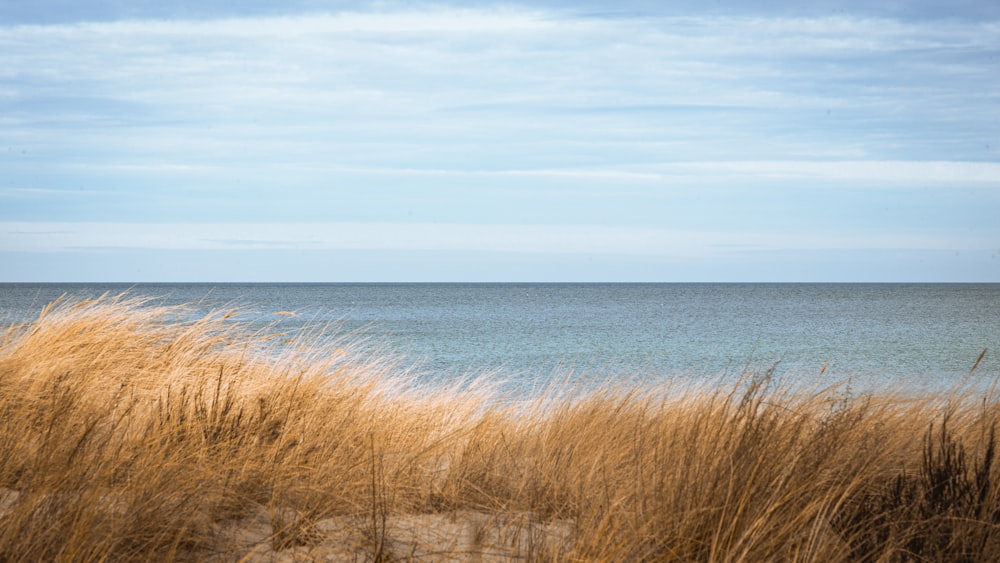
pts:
pixel 518 129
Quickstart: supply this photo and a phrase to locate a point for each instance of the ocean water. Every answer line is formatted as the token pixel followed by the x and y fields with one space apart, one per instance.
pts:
pixel 916 335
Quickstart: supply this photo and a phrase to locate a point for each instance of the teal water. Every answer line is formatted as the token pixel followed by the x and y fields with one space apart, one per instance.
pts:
pixel 919 334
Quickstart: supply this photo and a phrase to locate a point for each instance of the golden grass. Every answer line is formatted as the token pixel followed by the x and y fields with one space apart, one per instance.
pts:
pixel 131 433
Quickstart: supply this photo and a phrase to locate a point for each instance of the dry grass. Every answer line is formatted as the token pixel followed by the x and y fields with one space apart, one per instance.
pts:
pixel 130 433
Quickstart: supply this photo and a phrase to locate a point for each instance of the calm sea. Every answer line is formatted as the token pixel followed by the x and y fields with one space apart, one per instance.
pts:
pixel 526 334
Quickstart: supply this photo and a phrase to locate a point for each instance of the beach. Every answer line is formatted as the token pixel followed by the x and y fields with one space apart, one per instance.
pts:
pixel 134 432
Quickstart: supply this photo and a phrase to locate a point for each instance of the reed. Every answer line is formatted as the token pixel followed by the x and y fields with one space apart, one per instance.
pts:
pixel 132 432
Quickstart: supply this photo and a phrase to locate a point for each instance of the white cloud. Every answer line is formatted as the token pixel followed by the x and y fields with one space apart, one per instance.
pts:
pixel 529 239
pixel 441 115
pixel 848 174
pixel 844 173
pixel 503 54
pixel 402 22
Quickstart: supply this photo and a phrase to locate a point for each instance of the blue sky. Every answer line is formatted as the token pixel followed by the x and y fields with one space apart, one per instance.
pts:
pixel 536 141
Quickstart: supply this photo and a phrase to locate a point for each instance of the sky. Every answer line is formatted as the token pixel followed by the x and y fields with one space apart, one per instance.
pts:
pixel 315 141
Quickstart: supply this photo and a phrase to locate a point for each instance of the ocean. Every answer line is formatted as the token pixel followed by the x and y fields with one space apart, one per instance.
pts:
pixel 527 334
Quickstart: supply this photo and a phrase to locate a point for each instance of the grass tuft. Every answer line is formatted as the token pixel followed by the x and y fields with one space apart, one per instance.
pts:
pixel 134 432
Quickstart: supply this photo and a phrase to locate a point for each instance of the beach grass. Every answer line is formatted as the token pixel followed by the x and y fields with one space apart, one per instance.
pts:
pixel 135 432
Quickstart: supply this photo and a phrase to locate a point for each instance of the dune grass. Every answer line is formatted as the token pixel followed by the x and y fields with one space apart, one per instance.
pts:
pixel 130 432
